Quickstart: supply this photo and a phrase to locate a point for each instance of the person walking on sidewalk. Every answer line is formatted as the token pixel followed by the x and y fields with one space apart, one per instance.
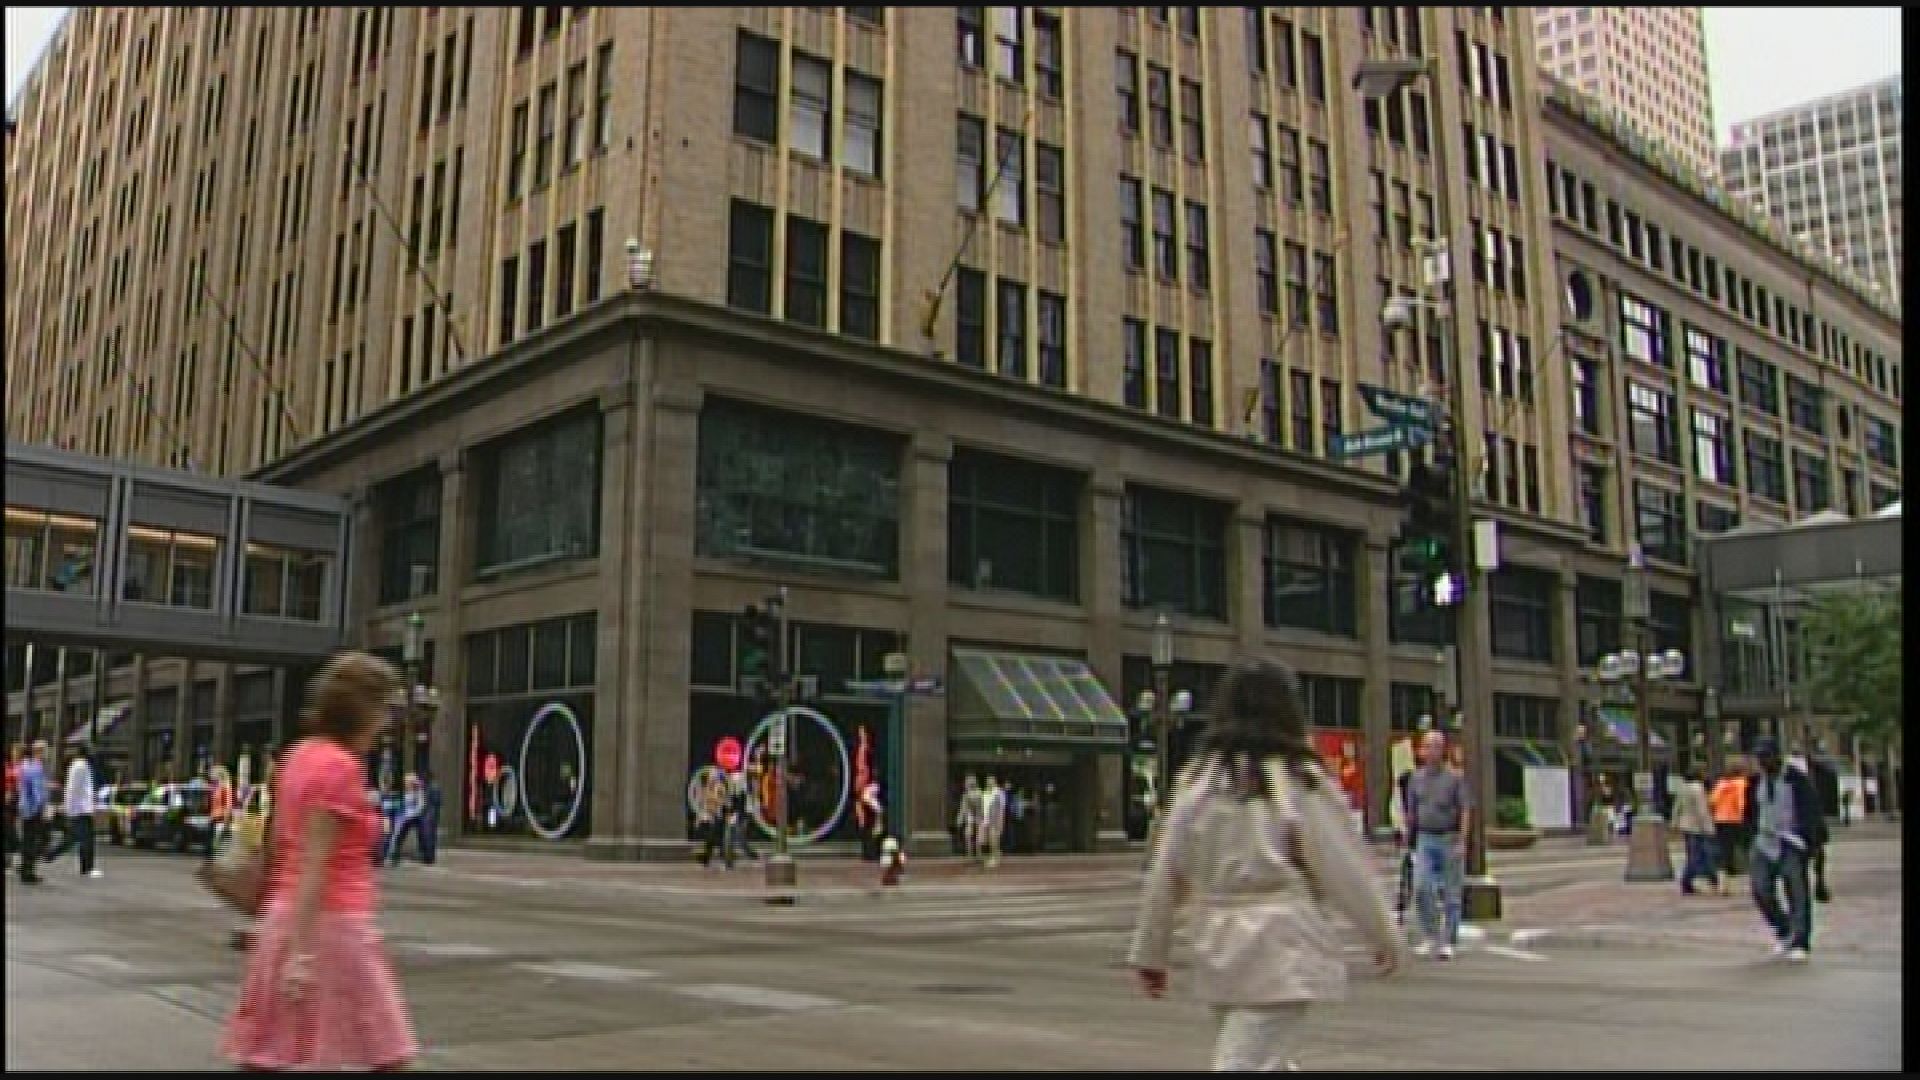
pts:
pixel 993 820
pixel 319 992
pixel 1695 823
pixel 1258 838
pixel 1439 807
pixel 32 810
pixel 1729 802
pixel 410 821
pixel 10 827
pixel 1783 814
pixel 79 809
pixel 969 817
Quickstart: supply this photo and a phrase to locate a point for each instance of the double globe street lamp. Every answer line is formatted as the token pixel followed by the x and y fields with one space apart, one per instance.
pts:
pixel 1647 856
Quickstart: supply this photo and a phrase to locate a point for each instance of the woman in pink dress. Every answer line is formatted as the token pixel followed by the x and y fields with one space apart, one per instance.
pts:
pixel 319 992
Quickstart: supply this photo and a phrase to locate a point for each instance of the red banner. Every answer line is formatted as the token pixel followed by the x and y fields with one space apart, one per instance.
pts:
pixel 1340 753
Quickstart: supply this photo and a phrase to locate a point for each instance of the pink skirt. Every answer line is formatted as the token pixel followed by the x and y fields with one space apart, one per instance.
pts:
pixel 352 1017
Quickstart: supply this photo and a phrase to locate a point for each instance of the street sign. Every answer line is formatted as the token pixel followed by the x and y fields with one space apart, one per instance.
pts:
pixel 1379 441
pixel 777 737
pixel 926 686
pixel 1396 408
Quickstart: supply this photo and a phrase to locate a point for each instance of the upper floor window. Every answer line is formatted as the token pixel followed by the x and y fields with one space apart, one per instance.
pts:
pixel 1712 447
pixel 409 515
pixel 57 553
pixel 1309 578
pixel 1759 384
pixel 1706 360
pixel 1653 429
pixel 1521 610
pixel 286 582
pixel 1766 470
pixel 539 494
pixel 1174 553
pixel 1806 406
pixel 861 138
pixel 811 104
pixel 970 31
pixel 1013 525
pixel 1009 45
pixel 1643 332
pixel 756 87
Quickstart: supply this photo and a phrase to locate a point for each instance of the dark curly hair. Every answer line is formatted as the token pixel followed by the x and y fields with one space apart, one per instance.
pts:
pixel 1256 715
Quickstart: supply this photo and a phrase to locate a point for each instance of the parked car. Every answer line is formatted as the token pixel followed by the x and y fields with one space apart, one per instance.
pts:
pixel 179 816
pixel 113 810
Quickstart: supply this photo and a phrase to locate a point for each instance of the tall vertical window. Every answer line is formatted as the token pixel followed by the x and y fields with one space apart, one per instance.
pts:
pixel 536 287
pixel 1053 340
pixel 1160 105
pixel 806 291
pixel 1712 448
pixel 564 254
pixel 1047 64
pixel 1166 372
pixel 543 148
pixel 1193 128
pixel 1643 332
pixel 1325 296
pixel 1319 178
pixel 1166 260
pixel 970 35
pixel 1010 195
pixel 1265 273
pixel 1009 45
pixel 1259 136
pixel 1050 192
pixel 1199 270
pixel 1270 402
pixel 602 96
pixel 1133 244
pixel 970 318
pixel 861 139
pixel 574 146
pixel 509 296
pixel 1292 187
pixel 1766 469
pixel 1329 412
pixel 597 234
pixel 1806 406
pixel 1126 81
pixel 1759 384
pixel 1660 517
pixel 1812 486
pixel 1256 39
pixel 1200 382
pixel 517 155
pixel 970 155
pixel 1300 410
pixel 756 87
pixel 750 257
pixel 810 105
pixel 859 286
pixel 1706 360
pixel 1297 311
pixel 1133 363
pixel 1314 65
pixel 1011 321
pixel 1650 412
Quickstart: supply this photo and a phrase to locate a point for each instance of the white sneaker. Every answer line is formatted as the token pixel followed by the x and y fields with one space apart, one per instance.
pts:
pixel 1779 950
pixel 95 872
pixel 1423 949
pixel 1445 952
pixel 1796 956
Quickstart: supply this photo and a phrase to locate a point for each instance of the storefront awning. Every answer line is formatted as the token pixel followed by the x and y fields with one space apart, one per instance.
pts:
pixel 1021 698
pixel 1623 727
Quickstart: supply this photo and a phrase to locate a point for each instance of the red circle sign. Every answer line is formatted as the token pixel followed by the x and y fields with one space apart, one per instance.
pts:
pixel 491 769
pixel 727 754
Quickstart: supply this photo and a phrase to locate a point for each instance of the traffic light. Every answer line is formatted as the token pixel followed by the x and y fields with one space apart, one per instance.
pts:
pixel 1426 536
pixel 756 644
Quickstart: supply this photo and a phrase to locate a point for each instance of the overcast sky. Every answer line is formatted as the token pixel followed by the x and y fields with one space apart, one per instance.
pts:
pixel 1759 59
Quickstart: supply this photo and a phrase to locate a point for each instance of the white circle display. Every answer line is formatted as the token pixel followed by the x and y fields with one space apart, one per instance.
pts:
pixel 702 776
pixel 506 793
pixel 759 734
pixel 548 712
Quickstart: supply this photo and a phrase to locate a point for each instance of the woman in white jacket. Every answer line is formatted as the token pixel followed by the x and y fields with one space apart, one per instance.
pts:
pixel 1258 840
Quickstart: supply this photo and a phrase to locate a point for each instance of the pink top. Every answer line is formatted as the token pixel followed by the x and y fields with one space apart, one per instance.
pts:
pixel 320 774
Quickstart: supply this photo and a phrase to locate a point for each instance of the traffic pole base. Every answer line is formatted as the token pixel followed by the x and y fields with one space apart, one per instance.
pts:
pixel 780 872
pixel 1480 900
pixel 1648 858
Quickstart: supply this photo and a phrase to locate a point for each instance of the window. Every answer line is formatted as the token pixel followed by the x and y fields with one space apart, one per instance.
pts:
pixel 539 494
pixel 1160 105
pixel 1132 239
pixel 1319 177
pixel 1651 422
pixel 1174 552
pixel 1300 410
pixel 1759 384
pixel 509 296
pixel 750 258
pixel 57 553
pixel 1766 469
pixel 603 97
pixel 1812 486
pixel 1264 271
pixel 1324 294
pixel 1133 368
pixel 1643 331
pixel 1013 526
pixel 1189 21
pixel 971 319
pixel 1331 703
pixel 1329 412
pixel 1126 79
pixel 806 292
pixel 1524 718
pixel 517 157
pixel 1882 443
pixel 970 30
pixel 1009 46
pixel 536 288
pixel 1297 284
pixel 283 582
pixel 596 234
pixel 566 241
pixel 1259 137
pixel 1166 373
pixel 777 486
pixel 1046 55
pixel 861 137
pixel 1200 382
pixel 1660 518
pixel 1706 360
pixel 1806 406
pixel 574 146
pixel 1193 128
pixel 1291 186
pixel 1711 519
pixel 1309 578
pixel 1053 340
pixel 1315 65
pixel 1522 614
pixel 1199 270
pixel 756 87
pixel 970 179
pixel 1270 402
pixel 1010 193
pixel 859 286
pixel 1712 448
pixel 1050 191
pixel 1593 502
pixel 1597 619
pixel 1011 322
pixel 543 148
pixel 1166 261
pixel 1256 39
pixel 810 105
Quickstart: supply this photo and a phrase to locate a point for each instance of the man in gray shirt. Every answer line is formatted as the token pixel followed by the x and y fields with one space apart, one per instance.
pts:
pixel 1439 809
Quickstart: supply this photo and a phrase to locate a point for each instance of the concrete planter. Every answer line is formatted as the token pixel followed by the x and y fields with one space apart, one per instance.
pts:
pixel 1512 839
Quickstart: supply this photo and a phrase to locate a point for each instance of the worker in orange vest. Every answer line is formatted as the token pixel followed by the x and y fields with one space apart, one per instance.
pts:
pixel 1729 803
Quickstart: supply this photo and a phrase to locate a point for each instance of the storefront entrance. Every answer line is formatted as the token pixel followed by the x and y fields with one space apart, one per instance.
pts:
pixel 1049 797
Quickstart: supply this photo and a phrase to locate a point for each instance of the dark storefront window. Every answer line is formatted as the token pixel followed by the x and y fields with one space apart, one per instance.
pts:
pixel 1309 578
pixel 1522 611
pixel 1012 525
pixel 1408 702
pixel 528 762
pixel 1518 716
pixel 1597 616
pixel 1670 621
pixel 1174 553
pixel 776 486
pixel 409 509
pixel 1660 518
pixel 539 495
pixel 1331 702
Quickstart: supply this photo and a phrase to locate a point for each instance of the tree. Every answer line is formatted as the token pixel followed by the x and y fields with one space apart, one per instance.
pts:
pixel 1854 659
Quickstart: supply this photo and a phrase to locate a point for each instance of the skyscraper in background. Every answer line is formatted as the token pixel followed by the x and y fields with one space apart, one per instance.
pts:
pixel 1649 64
pixel 1829 171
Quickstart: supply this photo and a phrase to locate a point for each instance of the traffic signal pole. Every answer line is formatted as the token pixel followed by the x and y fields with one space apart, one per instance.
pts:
pixel 780 867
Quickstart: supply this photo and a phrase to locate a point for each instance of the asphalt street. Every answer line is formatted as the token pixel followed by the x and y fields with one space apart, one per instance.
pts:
pixel 131 971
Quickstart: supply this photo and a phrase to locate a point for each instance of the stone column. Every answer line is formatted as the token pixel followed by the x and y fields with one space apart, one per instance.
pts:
pixel 1373 594
pixel 923 572
pixel 620 462
pixel 223 748
pixel 447 750
pixel 1566 654
pixel 1100 588
pixel 182 722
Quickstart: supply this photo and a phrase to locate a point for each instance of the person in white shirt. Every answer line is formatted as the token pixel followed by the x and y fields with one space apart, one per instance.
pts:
pixel 993 820
pixel 79 809
pixel 969 816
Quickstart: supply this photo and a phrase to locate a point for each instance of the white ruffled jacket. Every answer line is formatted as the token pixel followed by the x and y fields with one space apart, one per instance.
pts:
pixel 1260 937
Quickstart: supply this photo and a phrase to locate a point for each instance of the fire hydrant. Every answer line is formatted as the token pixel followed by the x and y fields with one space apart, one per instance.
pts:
pixel 893 862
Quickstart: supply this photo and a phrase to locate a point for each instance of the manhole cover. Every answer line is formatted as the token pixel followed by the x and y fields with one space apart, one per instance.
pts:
pixel 962 988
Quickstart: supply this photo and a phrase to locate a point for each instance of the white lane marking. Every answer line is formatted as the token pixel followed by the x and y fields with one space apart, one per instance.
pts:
pixel 1524 938
pixel 101 960
pixel 757 997
pixel 1515 954
pixel 579 969
pixel 449 950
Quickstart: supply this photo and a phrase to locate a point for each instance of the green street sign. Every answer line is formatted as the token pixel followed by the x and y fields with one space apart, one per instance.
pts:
pixel 1380 440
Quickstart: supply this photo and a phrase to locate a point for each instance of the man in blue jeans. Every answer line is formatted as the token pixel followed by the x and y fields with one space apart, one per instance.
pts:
pixel 1784 818
pixel 1438 809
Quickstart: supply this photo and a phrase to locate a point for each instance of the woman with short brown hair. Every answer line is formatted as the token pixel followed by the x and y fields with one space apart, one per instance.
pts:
pixel 319 992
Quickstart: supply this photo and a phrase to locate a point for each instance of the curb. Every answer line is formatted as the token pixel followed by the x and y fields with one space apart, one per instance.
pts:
pixel 1603 937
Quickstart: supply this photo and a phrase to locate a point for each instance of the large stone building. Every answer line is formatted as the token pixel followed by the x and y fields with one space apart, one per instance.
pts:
pixel 990 333
pixel 1648 64
pixel 1829 171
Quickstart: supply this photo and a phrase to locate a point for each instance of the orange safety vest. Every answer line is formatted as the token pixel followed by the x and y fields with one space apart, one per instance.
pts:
pixel 1729 800
pixel 222 802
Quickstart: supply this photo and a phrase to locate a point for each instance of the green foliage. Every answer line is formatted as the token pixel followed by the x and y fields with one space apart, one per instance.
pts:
pixel 1511 814
pixel 1854 659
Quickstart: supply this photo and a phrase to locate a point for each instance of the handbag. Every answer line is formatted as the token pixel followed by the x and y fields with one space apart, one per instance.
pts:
pixel 237 875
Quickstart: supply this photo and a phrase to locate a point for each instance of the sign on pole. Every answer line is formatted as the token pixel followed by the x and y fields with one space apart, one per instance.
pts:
pixel 1396 408
pixel 1379 441
pixel 777 737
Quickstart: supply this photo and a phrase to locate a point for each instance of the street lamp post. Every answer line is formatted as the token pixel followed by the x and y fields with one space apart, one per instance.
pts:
pixel 780 870
pixel 410 657
pixel 1162 712
pixel 1480 899
pixel 1647 856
